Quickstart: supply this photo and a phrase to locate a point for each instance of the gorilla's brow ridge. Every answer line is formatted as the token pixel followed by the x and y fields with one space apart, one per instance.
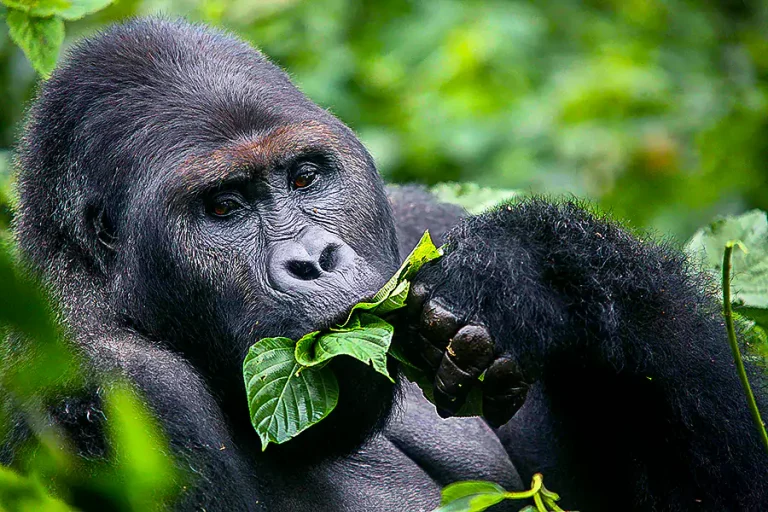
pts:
pixel 252 157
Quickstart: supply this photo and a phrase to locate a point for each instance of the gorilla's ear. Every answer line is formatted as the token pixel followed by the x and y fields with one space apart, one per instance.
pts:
pixel 103 227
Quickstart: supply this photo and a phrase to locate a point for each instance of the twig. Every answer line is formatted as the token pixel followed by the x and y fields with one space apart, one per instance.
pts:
pixel 734 344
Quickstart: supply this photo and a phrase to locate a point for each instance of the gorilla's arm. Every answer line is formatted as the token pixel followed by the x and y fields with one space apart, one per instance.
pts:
pixel 217 475
pixel 634 402
pixel 212 471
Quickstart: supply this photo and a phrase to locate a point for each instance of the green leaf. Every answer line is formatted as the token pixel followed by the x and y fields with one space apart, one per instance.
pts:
pixel 367 341
pixel 283 401
pixel 39 8
pixel 288 385
pixel 754 341
pixel 39 38
pixel 470 496
pixel 65 9
pixel 392 295
pixel 750 269
pixel 81 8
pixel 471 196
pixel 148 474
pixel 21 493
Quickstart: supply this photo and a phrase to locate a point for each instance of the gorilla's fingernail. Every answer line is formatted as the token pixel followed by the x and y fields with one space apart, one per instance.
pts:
pixel 503 374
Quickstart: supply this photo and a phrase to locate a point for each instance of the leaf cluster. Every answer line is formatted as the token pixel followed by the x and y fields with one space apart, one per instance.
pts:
pixel 288 383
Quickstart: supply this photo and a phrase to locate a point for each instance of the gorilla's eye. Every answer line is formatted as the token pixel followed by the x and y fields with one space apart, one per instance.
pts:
pixel 224 205
pixel 304 177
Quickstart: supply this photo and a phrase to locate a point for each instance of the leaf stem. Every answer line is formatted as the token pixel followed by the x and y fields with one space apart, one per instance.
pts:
pixel 728 313
pixel 536 484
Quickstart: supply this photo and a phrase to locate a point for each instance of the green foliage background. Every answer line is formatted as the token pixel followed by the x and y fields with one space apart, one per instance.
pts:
pixel 655 108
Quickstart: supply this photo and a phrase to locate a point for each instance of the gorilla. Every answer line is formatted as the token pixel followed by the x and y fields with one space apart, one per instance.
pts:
pixel 182 200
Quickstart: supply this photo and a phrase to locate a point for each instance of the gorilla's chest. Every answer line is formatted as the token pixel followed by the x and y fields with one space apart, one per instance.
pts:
pixel 403 468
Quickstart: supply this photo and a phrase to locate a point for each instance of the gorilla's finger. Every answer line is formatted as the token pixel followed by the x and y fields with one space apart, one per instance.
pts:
pixel 417 296
pixel 438 324
pixel 504 391
pixel 472 349
pixel 497 410
pixel 467 356
pixel 451 387
pixel 431 354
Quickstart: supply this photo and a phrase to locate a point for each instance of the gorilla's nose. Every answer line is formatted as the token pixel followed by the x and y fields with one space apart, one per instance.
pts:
pixel 315 257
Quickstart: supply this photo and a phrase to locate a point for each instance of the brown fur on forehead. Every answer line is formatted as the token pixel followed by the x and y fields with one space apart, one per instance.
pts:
pixel 253 156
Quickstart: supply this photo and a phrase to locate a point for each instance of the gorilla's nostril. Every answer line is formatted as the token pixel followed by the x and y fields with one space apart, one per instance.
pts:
pixel 329 258
pixel 304 270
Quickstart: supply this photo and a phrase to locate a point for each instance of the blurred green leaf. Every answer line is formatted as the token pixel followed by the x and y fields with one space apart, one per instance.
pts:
pixel 749 286
pixel 25 494
pixel 471 196
pixel 40 38
pixel 81 8
pixel 39 8
pixel 23 304
pixel 144 472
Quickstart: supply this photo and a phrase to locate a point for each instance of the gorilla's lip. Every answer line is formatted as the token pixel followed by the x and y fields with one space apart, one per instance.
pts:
pixel 338 318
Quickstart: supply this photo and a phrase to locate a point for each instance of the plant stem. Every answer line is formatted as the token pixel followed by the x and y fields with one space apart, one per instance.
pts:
pixel 735 346
pixel 536 484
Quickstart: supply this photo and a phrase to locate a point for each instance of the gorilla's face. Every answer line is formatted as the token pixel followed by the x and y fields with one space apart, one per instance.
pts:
pixel 275 234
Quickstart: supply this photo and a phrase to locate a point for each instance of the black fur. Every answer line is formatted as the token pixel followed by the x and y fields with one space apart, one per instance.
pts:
pixel 147 126
pixel 636 403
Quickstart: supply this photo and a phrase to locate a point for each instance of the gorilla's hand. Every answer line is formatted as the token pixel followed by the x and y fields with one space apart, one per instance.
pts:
pixel 534 291
pixel 455 348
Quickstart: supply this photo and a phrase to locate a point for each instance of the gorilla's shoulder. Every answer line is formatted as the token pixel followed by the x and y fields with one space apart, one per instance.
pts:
pixel 416 209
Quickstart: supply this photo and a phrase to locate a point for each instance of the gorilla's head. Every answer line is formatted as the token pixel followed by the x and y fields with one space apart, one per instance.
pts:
pixel 174 183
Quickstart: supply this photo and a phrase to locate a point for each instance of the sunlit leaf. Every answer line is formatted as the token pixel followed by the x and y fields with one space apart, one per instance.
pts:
pixel 470 496
pixel 367 341
pixel 40 38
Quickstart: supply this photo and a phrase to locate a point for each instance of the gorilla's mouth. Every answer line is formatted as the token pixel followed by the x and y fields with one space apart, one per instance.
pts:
pixel 365 397
pixel 321 316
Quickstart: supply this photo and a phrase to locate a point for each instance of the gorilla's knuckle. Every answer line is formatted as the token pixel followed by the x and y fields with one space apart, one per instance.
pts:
pixel 438 322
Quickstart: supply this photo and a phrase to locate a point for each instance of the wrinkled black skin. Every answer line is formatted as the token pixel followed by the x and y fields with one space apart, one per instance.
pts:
pixel 632 400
